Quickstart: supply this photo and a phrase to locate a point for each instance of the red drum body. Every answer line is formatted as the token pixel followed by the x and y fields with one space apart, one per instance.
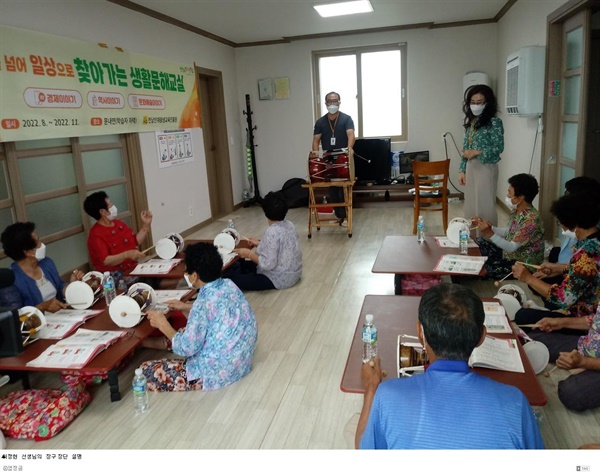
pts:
pixel 328 168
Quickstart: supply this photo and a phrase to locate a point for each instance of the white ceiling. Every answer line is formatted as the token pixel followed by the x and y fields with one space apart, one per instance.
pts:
pixel 247 21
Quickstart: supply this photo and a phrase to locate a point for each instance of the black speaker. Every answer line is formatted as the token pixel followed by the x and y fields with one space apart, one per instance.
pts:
pixel 372 160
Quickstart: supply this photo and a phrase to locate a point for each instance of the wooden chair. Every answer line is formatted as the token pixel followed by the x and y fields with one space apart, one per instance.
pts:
pixel 430 175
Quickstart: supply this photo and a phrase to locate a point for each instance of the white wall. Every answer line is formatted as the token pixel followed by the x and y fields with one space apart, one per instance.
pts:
pixel 171 191
pixel 523 25
pixel 437 62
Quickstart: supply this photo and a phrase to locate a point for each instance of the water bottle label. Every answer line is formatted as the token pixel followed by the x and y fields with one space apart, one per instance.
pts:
pixel 369 335
pixel 139 390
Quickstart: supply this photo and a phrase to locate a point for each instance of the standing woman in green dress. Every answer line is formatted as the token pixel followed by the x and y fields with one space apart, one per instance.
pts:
pixel 483 143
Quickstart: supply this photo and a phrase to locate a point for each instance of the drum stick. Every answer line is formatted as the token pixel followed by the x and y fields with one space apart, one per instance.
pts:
pixel 497 283
pixel 547 373
pixel 148 249
pixel 536 266
pixel 528 326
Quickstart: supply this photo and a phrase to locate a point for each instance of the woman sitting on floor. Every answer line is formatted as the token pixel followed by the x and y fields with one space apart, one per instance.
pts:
pixel 276 261
pixel 577 294
pixel 219 338
pixel 36 277
pixel 523 239
pixel 580 391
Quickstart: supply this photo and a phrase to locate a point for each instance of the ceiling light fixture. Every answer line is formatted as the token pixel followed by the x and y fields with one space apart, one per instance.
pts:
pixel 344 8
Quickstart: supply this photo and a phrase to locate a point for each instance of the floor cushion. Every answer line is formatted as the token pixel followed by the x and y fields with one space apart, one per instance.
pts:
pixel 40 414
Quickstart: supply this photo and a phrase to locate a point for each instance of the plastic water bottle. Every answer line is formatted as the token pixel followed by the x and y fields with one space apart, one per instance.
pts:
pixel 108 287
pixel 421 229
pixel 140 392
pixel 463 241
pixel 369 339
pixel 230 224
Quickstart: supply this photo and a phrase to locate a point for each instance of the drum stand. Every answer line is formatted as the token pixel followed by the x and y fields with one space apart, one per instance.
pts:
pixel 313 207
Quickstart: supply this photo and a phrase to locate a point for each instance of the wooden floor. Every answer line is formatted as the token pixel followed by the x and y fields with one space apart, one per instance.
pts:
pixel 292 398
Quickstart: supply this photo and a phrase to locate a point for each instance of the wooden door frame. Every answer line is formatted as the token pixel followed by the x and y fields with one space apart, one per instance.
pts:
pixel 222 188
pixel 549 174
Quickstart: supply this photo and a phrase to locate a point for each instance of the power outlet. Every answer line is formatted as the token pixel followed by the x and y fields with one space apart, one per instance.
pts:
pixel 191 211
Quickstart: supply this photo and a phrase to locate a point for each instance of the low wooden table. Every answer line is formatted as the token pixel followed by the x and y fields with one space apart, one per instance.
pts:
pixel 395 315
pixel 179 269
pixel 401 255
pixel 105 362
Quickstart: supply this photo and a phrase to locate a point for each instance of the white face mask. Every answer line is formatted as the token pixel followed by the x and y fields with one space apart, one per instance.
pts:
pixel 569 233
pixel 113 212
pixel 509 204
pixel 187 280
pixel 40 253
pixel 333 109
pixel 477 109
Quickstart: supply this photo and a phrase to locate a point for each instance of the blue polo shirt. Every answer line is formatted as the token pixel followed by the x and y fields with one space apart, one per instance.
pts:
pixel 450 407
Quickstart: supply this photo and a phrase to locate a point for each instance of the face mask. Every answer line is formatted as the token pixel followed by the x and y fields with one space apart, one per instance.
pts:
pixel 509 204
pixel 113 212
pixel 40 253
pixel 333 109
pixel 477 109
pixel 187 280
pixel 569 233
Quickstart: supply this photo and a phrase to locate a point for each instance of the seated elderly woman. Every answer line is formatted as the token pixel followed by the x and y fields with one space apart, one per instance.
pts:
pixel 580 391
pixel 276 261
pixel 577 294
pixel 220 336
pixel 36 277
pixel 523 239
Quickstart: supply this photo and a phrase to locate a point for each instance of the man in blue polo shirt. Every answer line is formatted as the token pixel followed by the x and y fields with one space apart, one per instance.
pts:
pixel 449 406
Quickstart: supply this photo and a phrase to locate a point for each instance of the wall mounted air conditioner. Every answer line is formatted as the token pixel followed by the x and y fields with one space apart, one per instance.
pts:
pixel 525 81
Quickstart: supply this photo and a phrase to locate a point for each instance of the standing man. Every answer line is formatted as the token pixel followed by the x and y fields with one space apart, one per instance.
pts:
pixel 449 406
pixel 333 131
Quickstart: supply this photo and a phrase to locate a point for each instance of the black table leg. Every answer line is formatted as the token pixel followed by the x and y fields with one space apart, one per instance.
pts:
pixel 113 383
pixel 25 380
pixel 398 284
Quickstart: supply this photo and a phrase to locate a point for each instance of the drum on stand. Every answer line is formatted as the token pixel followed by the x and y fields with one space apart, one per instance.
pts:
pixel 335 165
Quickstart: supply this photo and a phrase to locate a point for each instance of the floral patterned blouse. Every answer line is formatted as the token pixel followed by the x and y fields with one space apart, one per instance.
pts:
pixel 279 255
pixel 589 345
pixel 220 336
pixel 526 228
pixel 579 291
pixel 488 139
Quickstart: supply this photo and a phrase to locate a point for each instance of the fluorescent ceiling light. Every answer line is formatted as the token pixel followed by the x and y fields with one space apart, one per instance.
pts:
pixel 344 8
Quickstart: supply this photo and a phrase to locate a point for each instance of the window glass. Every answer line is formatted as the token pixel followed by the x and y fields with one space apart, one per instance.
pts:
pixel 53 215
pixel 381 94
pixel 46 173
pixel 338 74
pixel 36 144
pixel 372 84
pixel 69 252
pixel 102 165
pixel 90 140
pixel 4 192
pixel 6 218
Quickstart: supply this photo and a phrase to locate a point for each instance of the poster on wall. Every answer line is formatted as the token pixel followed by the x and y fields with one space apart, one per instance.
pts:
pixel 174 147
pixel 54 87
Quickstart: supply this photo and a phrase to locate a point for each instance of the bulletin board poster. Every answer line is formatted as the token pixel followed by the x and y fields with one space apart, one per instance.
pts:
pixel 174 147
pixel 54 87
